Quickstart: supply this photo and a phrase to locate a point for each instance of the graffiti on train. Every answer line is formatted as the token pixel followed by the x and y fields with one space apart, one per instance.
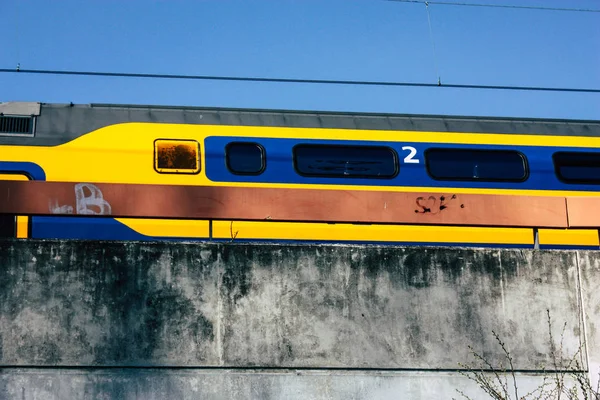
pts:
pixel 434 205
pixel 88 201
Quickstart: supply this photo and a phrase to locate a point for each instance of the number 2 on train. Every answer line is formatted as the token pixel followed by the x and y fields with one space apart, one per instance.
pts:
pixel 409 159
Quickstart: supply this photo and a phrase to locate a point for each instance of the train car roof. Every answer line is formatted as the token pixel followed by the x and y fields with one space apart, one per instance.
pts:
pixel 58 123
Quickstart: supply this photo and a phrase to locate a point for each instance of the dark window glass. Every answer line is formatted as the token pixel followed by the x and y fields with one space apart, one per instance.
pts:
pixel 577 167
pixel 245 158
pixel 476 165
pixel 345 161
pixel 177 156
pixel 7 226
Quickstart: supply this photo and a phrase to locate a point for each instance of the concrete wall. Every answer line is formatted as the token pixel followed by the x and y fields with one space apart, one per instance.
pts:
pixel 226 384
pixel 282 321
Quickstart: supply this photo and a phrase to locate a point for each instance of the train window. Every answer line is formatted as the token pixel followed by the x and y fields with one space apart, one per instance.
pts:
pixel 577 167
pixel 337 161
pixel 245 158
pixel 476 165
pixel 177 156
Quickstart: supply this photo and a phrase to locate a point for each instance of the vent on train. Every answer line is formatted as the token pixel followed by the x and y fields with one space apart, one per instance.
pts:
pixel 16 125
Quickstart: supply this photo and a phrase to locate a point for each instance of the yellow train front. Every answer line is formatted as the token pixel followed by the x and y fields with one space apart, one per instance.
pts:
pixel 292 149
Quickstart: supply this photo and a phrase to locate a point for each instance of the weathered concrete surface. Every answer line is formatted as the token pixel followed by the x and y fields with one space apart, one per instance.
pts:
pixel 220 384
pixel 242 305
pixel 589 265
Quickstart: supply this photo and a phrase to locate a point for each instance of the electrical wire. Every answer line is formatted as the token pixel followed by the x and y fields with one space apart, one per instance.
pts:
pixel 17 34
pixel 448 3
pixel 435 63
pixel 304 81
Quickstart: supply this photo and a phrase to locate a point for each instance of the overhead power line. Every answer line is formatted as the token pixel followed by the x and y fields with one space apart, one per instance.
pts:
pixel 448 3
pixel 305 81
pixel 437 70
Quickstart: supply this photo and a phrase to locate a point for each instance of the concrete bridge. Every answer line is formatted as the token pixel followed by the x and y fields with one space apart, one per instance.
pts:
pixel 133 320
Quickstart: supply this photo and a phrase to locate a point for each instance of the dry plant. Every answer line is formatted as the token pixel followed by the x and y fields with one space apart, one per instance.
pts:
pixel 501 383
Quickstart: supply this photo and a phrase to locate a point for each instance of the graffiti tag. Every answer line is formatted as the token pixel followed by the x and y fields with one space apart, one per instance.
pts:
pixel 433 204
pixel 88 201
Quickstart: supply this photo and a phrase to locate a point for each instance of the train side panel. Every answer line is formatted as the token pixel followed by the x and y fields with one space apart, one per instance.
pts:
pixel 127 153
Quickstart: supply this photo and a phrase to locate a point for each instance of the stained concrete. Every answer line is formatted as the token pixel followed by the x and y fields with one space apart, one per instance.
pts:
pixel 30 384
pixel 589 263
pixel 285 306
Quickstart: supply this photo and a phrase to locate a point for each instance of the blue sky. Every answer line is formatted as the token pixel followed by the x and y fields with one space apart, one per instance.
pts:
pixel 314 39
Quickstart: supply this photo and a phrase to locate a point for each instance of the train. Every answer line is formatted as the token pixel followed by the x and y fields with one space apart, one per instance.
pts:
pixel 281 149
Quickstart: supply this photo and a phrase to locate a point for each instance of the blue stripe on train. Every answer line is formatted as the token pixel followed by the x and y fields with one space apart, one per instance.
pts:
pixel 377 243
pixel 280 168
pixel 418 244
pixel 82 228
pixel 567 247
pixel 33 170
